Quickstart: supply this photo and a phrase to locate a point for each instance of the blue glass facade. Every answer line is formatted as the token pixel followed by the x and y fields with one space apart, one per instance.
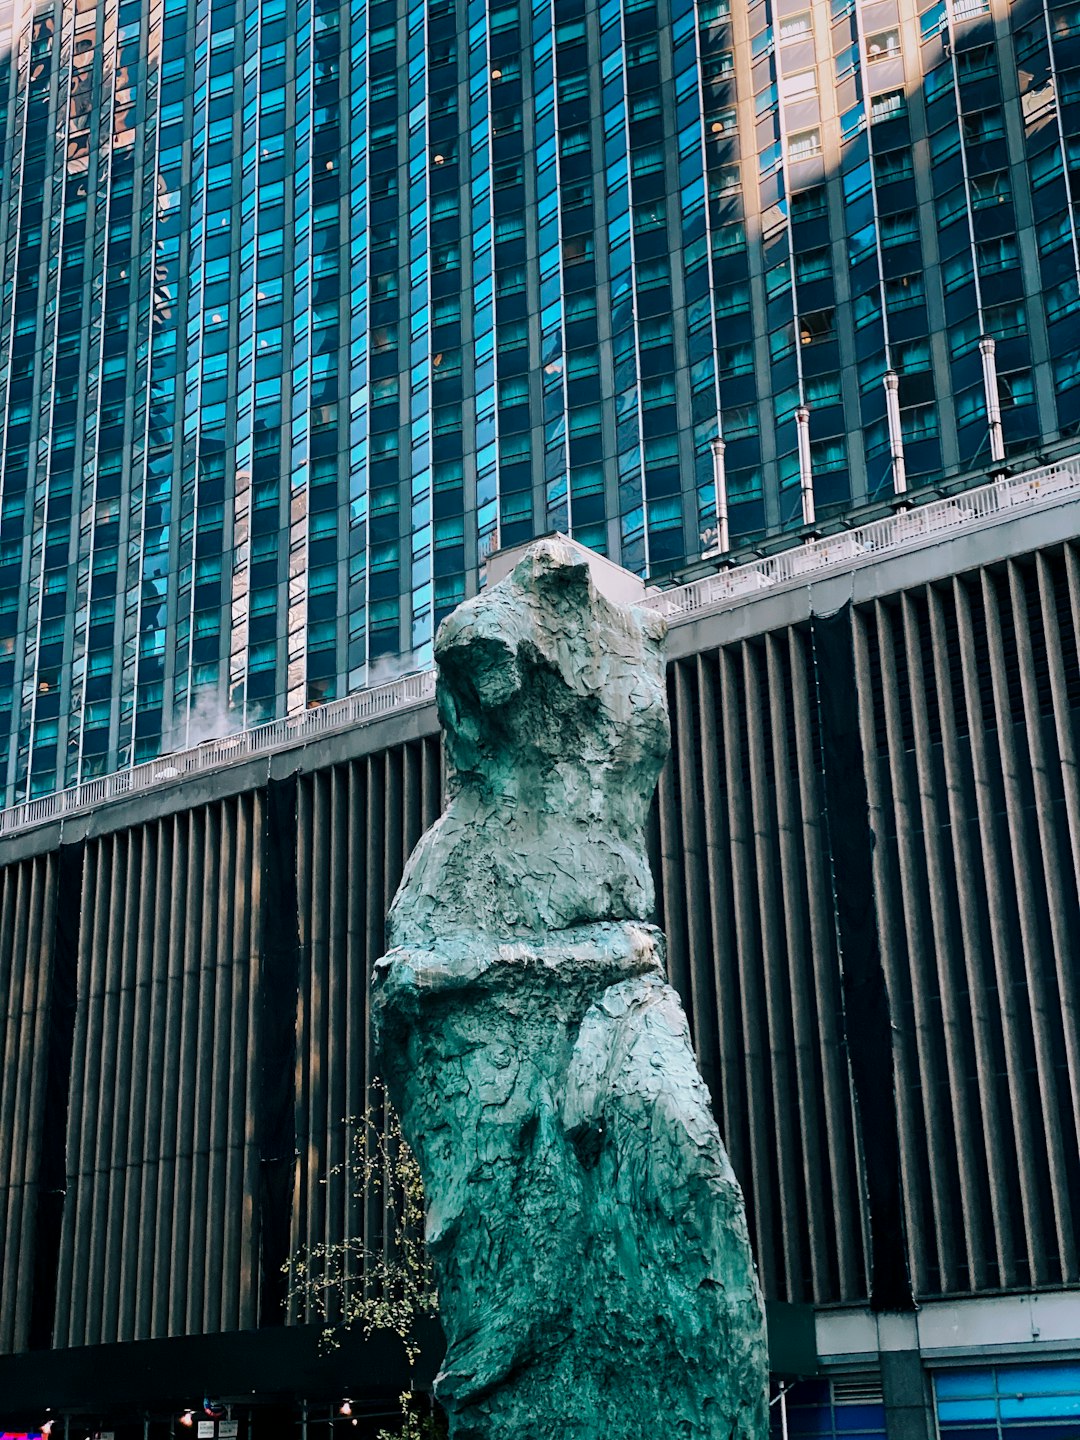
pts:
pixel 827 1410
pixel 1009 1402
pixel 308 305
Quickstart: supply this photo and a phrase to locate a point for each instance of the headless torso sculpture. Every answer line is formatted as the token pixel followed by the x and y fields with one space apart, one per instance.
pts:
pixel 588 1235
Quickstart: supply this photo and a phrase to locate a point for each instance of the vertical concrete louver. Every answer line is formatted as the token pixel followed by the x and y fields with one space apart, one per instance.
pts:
pixel 867 851
pixel 160 1222
pixel 356 825
pixel 27 933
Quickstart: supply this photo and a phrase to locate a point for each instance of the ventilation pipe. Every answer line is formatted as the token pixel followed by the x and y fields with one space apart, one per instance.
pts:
pixel 896 435
pixel 806 476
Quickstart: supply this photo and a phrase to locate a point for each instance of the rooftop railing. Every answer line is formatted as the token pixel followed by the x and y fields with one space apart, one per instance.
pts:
pixel 356 709
pixel 907 529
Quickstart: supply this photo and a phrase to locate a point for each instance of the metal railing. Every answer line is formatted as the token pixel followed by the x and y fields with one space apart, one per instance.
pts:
pixel 921 525
pixel 357 709
pixel 907 529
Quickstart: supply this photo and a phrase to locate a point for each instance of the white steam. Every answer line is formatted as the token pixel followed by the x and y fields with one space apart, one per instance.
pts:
pixel 208 717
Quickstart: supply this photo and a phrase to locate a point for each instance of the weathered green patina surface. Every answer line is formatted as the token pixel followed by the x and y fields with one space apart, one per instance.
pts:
pixel 589 1237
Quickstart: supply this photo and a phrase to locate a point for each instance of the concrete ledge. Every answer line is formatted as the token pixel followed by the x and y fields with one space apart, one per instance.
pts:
pixel 1040 1326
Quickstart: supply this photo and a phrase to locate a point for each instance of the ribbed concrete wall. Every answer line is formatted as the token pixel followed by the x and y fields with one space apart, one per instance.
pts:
pixel 27 941
pixel 867 851
pixel 160 1225
pixel 356 826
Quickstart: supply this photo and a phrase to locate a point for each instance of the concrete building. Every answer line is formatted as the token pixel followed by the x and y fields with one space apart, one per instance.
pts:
pixel 307 305
pixel 867 851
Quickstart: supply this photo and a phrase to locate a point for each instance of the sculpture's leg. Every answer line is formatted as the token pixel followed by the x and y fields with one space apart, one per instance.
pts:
pixel 670 1251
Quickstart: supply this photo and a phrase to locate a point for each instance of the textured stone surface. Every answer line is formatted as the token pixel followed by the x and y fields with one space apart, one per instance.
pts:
pixel 589 1239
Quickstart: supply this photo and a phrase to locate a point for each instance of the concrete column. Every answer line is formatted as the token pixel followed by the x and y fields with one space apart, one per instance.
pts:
pixel 906 1388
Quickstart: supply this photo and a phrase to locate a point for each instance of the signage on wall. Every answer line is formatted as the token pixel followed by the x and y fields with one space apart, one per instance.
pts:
pixel 215 1430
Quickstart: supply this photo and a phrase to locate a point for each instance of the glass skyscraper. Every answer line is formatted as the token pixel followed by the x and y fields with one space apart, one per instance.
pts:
pixel 308 305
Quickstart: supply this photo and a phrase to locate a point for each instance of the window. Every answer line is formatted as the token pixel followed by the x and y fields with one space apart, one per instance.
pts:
pixel 785 404
pixel 796 27
pixel 950 206
pixel 729 239
pixel 887 106
pixel 904 292
pixel 574 142
pixel 899 229
pixel 1045 167
pixel 808 204
pixel 813 265
pixel 919 423
pixel 933 21
pixel 646 104
pixel 1005 321
pixel 819 325
pixel 1062 300
pixel 976 64
pixel 721 122
pixel 717 65
pixel 823 389
pixel 505 18
pixel 1016 388
pixel 733 300
pixel 781 342
pixel 638 52
pixel 828 455
pixel 577 250
pixel 514 390
pixel 945 142
pixel 957 271
pixel 651 216
pixel 654 332
pixel 1067 370
pixel 883 45
pixel 992 189
pixel 740 421
pixel 867 306
pixel 1054 233
pixel 444 363
pixel 735 360
pixel 724 181
pixel 1037 104
pixel 862 243
pixel 778 279
pixel 983 125
pixel 657 393
pixel 646 161
pixel 911 357
pixel 769 160
pixel 510 281
pixel 998 254
pixel 570 32
pixel 893 165
pixel 805 145
pixel 847 62
pixel 653 274
pixel 509 227
pixel 856 182
pixel 765 101
pixel 852 122
pixel 573 87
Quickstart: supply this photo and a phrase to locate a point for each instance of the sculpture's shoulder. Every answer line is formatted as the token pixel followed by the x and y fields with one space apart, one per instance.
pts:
pixel 553 707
